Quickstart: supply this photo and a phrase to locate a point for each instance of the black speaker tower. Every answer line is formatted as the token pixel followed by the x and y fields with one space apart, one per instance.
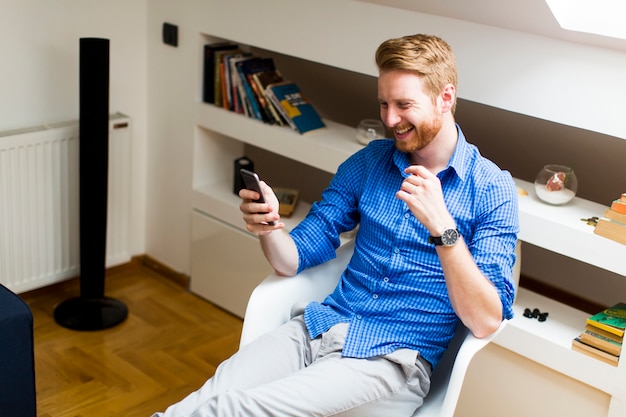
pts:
pixel 92 310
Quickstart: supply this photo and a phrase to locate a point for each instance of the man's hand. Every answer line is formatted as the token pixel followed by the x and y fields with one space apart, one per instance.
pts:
pixel 421 191
pixel 258 215
pixel 279 248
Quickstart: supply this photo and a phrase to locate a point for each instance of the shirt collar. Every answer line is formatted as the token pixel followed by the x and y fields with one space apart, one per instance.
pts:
pixel 458 162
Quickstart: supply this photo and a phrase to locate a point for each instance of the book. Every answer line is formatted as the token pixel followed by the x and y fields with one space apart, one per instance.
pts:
pixel 294 106
pixel 594 337
pixel 227 99
pixel 229 89
pixel 611 230
pixel 240 104
pixel 248 96
pixel 249 69
pixel 579 346
pixel 619 205
pixel 287 200
pixel 615 216
pixel 604 333
pixel 208 70
pixel 612 319
pixel 264 79
pixel 219 73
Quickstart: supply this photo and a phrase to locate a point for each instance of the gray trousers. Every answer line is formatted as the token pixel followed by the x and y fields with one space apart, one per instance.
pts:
pixel 285 373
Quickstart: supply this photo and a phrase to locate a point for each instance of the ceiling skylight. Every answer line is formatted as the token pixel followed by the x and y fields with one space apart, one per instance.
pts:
pixel 601 17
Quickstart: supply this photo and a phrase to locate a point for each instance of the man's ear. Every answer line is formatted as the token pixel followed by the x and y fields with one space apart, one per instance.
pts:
pixel 448 98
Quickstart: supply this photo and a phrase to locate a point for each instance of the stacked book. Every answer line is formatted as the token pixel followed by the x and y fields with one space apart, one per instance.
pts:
pixel 244 83
pixel 613 224
pixel 603 335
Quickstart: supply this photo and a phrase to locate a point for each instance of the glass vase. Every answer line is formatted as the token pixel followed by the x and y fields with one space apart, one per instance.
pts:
pixel 556 184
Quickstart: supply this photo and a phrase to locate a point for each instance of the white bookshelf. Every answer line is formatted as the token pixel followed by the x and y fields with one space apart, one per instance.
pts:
pixel 549 342
pixel 221 137
pixel 560 230
pixel 324 149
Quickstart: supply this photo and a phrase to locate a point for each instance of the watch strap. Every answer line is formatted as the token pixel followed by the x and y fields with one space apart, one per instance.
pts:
pixel 436 240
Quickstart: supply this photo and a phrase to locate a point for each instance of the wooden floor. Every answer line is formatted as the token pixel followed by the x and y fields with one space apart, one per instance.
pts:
pixel 171 342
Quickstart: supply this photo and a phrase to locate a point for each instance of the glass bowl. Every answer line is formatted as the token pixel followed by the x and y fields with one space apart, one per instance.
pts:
pixel 556 184
pixel 368 130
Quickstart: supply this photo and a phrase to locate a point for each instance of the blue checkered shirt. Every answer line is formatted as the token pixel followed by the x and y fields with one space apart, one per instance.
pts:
pixel 393 292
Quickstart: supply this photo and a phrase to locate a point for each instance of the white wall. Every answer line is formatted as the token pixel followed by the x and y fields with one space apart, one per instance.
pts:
pixel 39 44
pixel 172 92
pixel 157 85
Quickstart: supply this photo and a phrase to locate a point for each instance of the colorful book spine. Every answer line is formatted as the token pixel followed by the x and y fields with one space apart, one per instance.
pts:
pixel 612 320
pixel 579 346
pixel 619 205
pixel 208 76
pixel 613 224
pixel 606 344
pixel 249 94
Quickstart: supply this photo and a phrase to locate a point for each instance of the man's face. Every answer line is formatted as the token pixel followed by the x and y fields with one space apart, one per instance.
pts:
pixel 409 112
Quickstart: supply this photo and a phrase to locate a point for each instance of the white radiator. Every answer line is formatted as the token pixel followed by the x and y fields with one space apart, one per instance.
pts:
pixel 39 205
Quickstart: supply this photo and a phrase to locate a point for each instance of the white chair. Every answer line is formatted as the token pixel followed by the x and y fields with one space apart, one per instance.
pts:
pixel 271 303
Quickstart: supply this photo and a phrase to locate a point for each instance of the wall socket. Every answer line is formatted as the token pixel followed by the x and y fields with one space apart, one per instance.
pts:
pixel 170 34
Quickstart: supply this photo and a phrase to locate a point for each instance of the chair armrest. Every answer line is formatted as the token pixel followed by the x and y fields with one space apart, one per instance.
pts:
pixel 271 301
pixel 471 346
pixel 449 376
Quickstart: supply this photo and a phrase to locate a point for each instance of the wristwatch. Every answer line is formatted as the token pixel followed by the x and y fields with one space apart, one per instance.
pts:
pixel 448 237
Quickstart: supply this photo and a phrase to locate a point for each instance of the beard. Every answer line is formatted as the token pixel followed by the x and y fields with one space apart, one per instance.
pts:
pixel 421 136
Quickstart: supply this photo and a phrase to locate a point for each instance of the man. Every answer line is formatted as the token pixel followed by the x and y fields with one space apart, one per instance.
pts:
pixel 438 227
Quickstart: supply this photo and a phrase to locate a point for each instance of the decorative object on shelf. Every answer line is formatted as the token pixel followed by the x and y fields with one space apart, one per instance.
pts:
pixel 369 130
pixel 591 221
pixel 535 314
pixel 613 224
pixel 556 184
pixel 287 200
pixel 603 335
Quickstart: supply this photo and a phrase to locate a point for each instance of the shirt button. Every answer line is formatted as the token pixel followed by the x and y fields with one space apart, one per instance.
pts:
pixel 407 215
pixel 375 296
pixel 396 250
pixel 358 316
pixel 386 279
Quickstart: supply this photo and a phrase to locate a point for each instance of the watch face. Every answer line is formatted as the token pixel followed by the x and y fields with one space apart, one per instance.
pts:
pixel 449 237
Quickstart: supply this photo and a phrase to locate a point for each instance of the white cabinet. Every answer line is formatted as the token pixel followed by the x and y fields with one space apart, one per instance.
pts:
pixel 226 263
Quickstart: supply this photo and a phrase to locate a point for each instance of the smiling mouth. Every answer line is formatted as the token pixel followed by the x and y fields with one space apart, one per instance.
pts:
pixel 403 130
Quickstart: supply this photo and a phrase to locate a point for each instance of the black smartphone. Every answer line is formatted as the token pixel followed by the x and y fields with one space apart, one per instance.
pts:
pixel 252 182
